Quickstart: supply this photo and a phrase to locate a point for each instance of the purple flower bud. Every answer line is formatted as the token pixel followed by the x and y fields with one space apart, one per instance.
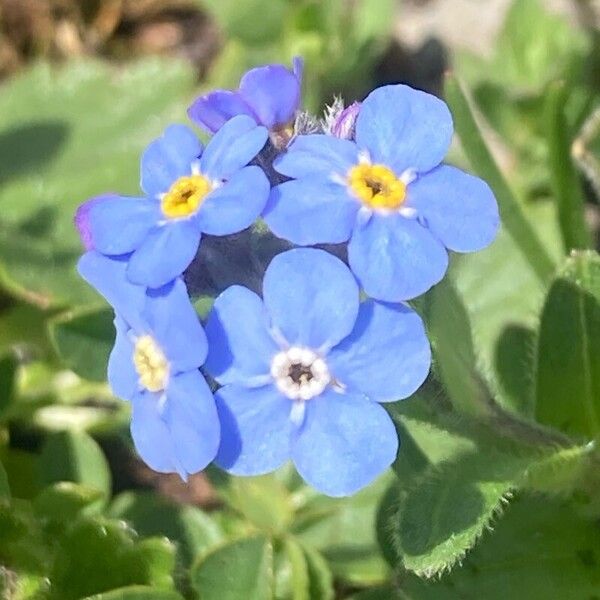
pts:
pixel 343 124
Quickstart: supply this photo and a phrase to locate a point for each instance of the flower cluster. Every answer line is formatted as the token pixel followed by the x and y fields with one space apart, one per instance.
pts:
pixel 299 372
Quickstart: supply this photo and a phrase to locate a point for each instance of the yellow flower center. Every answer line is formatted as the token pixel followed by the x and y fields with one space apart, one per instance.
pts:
pixel 185 196
pixel 377 186
pixel 150 364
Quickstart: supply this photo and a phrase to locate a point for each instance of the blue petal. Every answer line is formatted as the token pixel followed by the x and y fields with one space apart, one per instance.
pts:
pixel 82 219
pixel 235 205
pixel 317 155
pixel 273 92
pixel 213 110
pixel 108 276
pixel 165 253
pixel 240 346
pixel 122 376
pixel 191 416
pixel 345 442
pixel 255 429
pixel 311 297
pixel 175 325
pixel 308 212
pixel 232 147
pixel 119 225
pixel 168 158
pixel 395 258
pixel 404 128
pixel 458 208
pixel 387 355
pixel 151 435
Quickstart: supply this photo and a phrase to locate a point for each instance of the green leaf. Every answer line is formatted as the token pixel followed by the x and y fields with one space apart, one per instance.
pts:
pixel 239 570
pixel 63 501
pixel 8 373
pixel 74 456
pixel 55 152
pixel 540 549
pixel 566 184
pixel 291 571
pixel 137 592
pixel 511 212
pixel 98 555
pixel 84 339
pixel 449 507
pixel 263 501
pixel 193 530
pixel 320 579
pixel 4 487
pixel 568 365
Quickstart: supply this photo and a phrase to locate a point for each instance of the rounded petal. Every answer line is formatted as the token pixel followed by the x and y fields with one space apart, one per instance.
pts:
pixel 395 258
pixel 255 429
pixel 165 254
pixel 119 225
pixel 308 212
pixel 311 297
pixel 387 355
pixel 235 205
pixel 191 416
pixel 168 158
pixel 82 219
pixel 345 442
pixel 404 128
pixel 317 155
pixel 122 376
pixel 175 325
pixel 233 147
pixel 240 346
pixel 108 276
pixel 273 92
pixel 151 436
pixel 213 110
pixel 459 209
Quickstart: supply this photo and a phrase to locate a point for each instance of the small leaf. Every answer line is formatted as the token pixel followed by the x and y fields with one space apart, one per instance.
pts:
pixel 4 487
pixel 540 549
pixel 511 212
pixel 568 366
pixel 150 515
pixel 444 513
pixel 74 456
pixel 568 193
pixel 63 501
pixel 98 555
pixel 8 371
pixel 239 570
pixel 84 339
pixel 137 592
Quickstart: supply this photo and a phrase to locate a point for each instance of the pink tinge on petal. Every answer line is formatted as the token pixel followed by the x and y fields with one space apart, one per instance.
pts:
pixel 81 219
pixel 343 126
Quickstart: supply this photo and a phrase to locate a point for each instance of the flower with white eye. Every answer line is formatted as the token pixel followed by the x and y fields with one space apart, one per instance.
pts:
pixel 154 364
pixel 304 369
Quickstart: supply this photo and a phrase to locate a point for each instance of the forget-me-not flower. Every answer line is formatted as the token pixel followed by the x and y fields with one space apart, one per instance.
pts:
pixel 387 193
pixel 270 95
pixel 304 369
pixel 190 190
pixel 154 364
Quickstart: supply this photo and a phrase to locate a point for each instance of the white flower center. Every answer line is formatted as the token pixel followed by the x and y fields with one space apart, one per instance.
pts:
pixel 300 373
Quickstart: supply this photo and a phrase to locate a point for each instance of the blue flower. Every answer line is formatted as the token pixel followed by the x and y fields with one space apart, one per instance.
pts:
pixel 304 370
pixel 387 193
pixel 154 364
pixel 269 94
pixel 188 192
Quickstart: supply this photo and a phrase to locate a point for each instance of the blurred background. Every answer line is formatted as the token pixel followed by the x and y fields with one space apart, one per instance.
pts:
pixel 85 85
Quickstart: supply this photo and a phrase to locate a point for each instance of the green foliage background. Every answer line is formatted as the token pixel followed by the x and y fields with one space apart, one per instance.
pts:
pixel 496 489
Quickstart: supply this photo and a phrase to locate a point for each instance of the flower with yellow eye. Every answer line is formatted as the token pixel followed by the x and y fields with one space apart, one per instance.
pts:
pixel 386 193
pixel 190 191
pixel 159 348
